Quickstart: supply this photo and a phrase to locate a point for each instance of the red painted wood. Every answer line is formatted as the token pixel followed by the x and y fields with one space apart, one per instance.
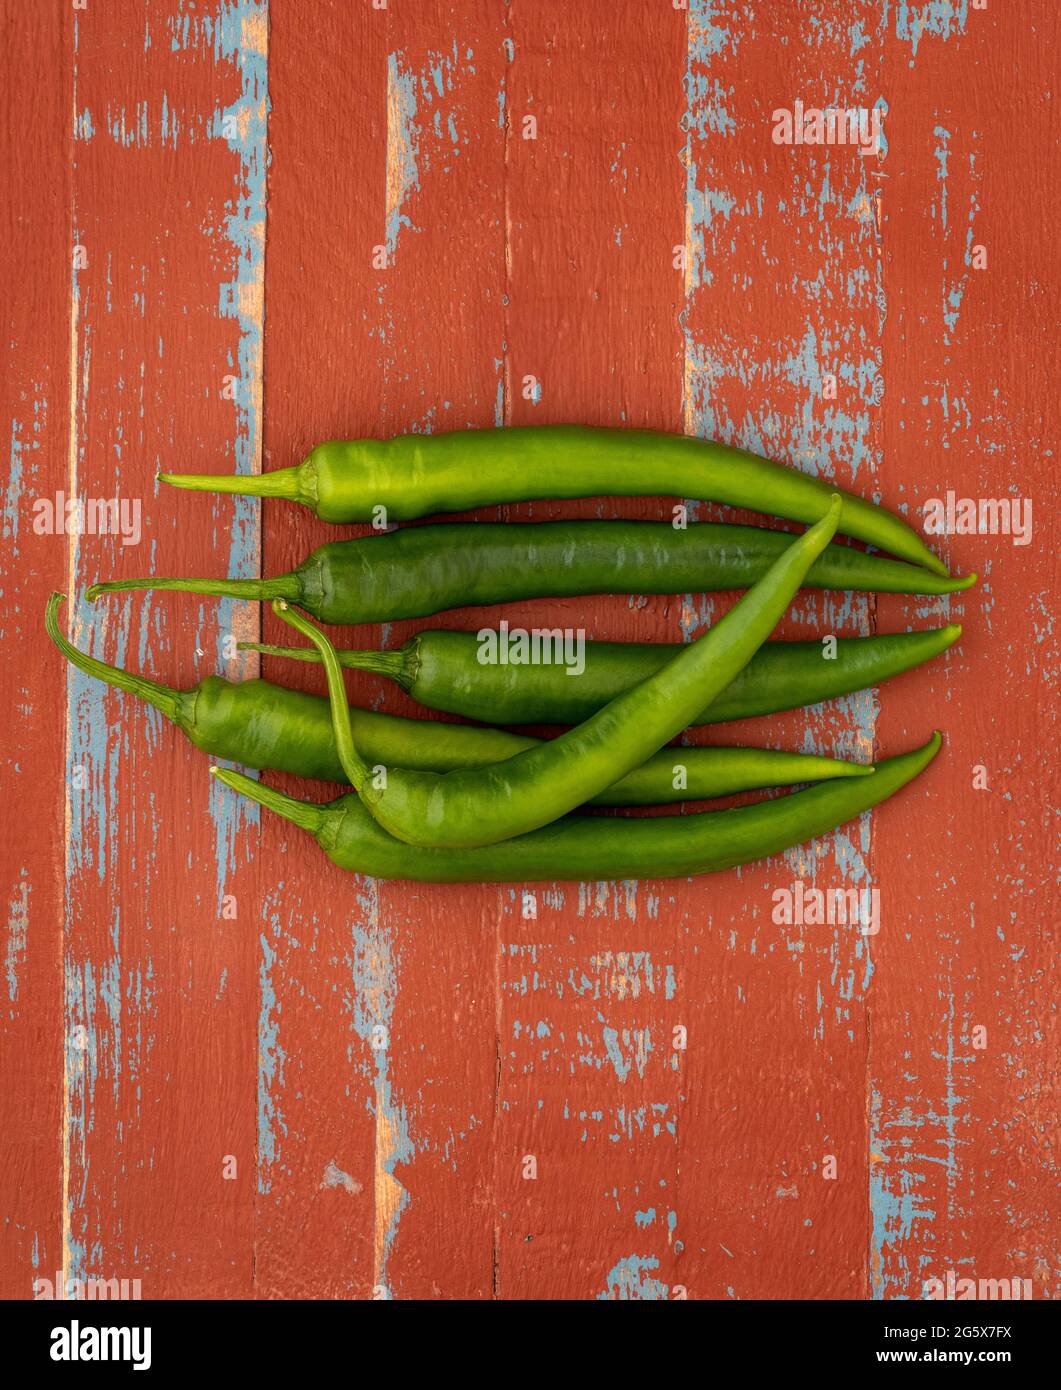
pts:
pixel 962 1171
pixel 780 290
pixel 314 1220
pixel 473 1092
pixel 447 64
pixel 34 409
pixel 588 1090
pixel 160 1097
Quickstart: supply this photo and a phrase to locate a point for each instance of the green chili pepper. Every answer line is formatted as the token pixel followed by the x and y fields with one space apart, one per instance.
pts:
pixel 596 847
pixel 428 569
pixel 443 670
pixel 415 475
pixel 481 806
pixel 268 726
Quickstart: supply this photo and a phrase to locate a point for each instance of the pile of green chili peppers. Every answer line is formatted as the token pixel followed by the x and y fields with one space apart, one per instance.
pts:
pixel 444 802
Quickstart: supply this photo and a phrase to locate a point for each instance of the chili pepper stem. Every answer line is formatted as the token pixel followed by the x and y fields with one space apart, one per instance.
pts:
pixel 353 764
pixel 161 696
pixel 292 484
pixel 390 664
pixel 305 814
pixel 284 586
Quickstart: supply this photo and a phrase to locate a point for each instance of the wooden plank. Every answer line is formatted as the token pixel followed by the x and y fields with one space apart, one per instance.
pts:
pixel 34 405
pixel 159 983
pixel 406 163
pixel 446 219
pixel 780 280
pixel 314 1224
pixel 586 1147
pixel 964 1176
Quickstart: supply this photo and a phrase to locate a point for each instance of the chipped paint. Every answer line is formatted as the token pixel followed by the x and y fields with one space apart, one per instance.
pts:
pixel 17 927
pixel 941 19
pixel 631 1279
pixel 242 39
pixel 22 467
pixel 97 746
pixel 72 1251
pixel 335 1177
pixel 560 1043
pixel 895 1199
pixel 271 1059
pixel 402 138
pixel 955 281
pixel 424 127
pixel 829 440
pixel 374 975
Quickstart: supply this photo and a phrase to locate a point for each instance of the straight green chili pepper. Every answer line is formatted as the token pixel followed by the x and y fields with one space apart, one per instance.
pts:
pixel 476 807
pixel 268 726
pixel 415 475
pixel 442 670
pixel 596 848
pixel 423 570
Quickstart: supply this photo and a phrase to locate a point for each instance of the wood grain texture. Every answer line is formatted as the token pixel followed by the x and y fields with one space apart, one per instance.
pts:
pixel 316 220
pixel 963 1143
pixel 34 409
pixel 159 984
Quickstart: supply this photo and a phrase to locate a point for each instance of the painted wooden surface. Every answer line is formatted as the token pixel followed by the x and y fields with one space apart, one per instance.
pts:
pixel 337 1092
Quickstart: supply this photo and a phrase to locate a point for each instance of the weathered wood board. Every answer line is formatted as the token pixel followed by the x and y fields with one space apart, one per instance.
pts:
pixel 235 228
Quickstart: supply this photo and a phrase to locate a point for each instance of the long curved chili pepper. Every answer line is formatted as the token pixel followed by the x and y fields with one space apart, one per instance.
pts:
pixel 415 475
pixel 442 670
pixel 596 847
pixel 268 726
pixel 483 806
pixel 415 572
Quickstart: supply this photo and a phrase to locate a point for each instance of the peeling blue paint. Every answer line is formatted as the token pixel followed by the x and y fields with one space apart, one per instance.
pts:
pixel 17 929
pixel 373 971
pixel 631 1279
pixel 244 128
pixel 941 19
pixel 895 1202
pixel 422 127
pixel 96 992
pixel 13 492
pixel 402 144
pixel 271 1058
pixel 942 153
